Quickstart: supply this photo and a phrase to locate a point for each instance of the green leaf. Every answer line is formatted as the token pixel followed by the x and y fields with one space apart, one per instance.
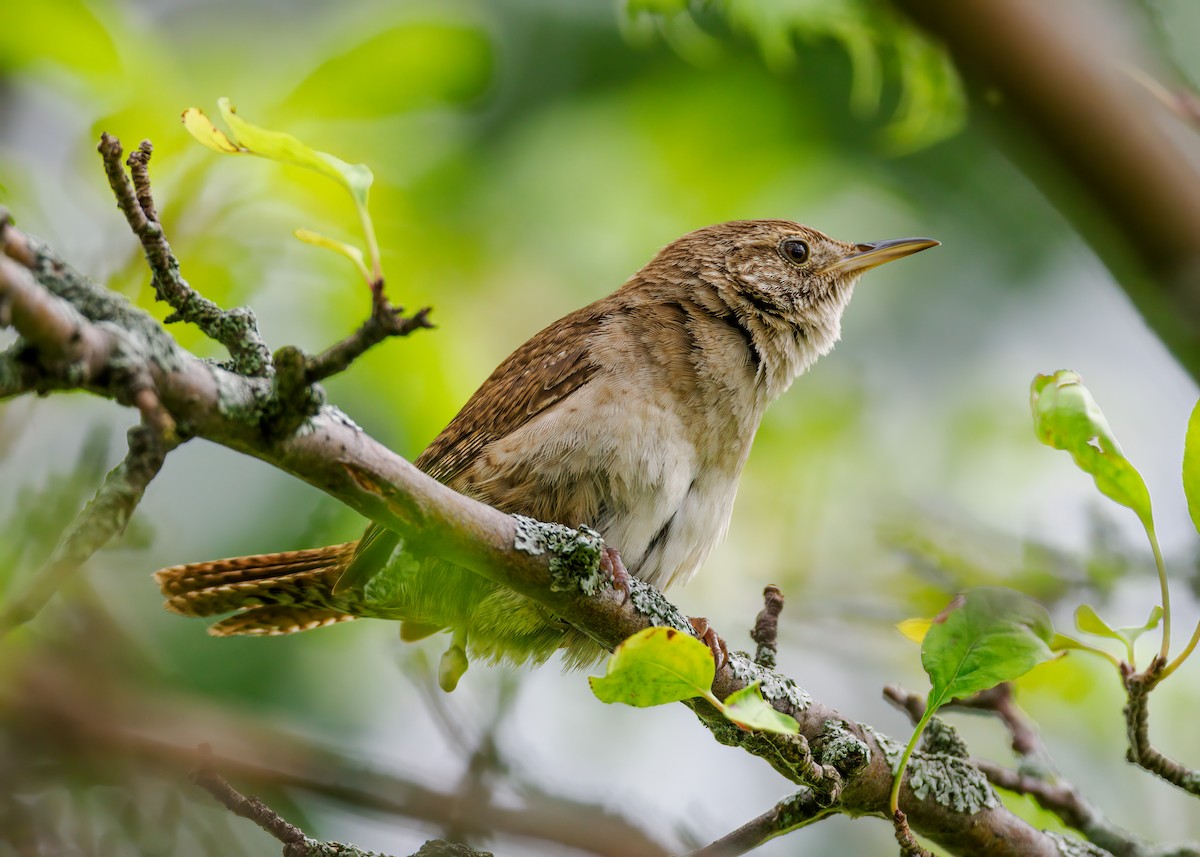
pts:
pixel 1088 621
pixel 1132 632
pixel 661 665
pixel 1065 416
pixel 247 139
pixel 748 709
pixel 1191 466
pixel 285 148
pixel 656 666
pixel 984 637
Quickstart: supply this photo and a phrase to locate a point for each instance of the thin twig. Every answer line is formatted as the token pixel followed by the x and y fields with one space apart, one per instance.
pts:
pixel 997 701
pixel 909 847
pixel 112 723
pixel 236 329
pixel 295 843
pixel 1137 727
pixel 766 627
pixel 1060 798
pixel 1074 810
pixel 797 811
pixel 384 322
pixel 246 807
pixel 139 168
pixel 1184 104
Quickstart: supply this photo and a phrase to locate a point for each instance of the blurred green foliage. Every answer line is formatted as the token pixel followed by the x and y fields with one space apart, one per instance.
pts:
pixel 890 60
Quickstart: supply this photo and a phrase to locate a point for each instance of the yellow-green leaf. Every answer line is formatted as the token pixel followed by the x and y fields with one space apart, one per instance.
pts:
pixel 246 138
pixel 748 709
pixel 202 128
pixel 285 148
pixel 1088 621
pixel 914 629
pixel 1191 466
pixel 656 666
pixel 1065 416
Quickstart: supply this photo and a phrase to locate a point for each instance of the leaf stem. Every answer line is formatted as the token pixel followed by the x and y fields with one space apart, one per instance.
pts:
pixel 894 803
pixel 1183 656
pixel 1108 656
pixel 372 242
pixel 1165 649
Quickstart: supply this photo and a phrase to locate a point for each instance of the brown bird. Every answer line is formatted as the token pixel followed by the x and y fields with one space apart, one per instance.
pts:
pixel 633 415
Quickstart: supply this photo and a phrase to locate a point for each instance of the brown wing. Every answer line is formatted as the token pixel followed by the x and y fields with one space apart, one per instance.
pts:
pixel 546 369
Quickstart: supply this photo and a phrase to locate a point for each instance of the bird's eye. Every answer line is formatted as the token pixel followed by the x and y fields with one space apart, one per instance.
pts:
pixel 794 251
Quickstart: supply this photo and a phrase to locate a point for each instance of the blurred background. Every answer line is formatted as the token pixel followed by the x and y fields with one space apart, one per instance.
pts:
pixel 529 156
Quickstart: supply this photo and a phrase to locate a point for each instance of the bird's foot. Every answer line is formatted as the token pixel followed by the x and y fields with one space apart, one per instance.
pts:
pixel 612 565
pixel 709 636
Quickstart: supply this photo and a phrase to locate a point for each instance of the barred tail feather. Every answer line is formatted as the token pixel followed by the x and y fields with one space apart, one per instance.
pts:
pixel 278 593
pixel 276 621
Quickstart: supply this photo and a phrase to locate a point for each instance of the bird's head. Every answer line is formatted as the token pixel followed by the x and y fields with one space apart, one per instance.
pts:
pixel 786 283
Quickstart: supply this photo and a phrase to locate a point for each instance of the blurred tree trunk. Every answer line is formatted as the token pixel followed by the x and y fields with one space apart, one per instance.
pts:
pixel 1055 79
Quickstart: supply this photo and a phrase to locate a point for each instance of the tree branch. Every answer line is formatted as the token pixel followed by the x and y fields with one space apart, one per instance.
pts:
pixel 295 843
pixel 909 847
pixel 1038 779
pixel 1137 728
pixel 799 810
pixel 997 701
pixel 236 329
pixel 69 351
pixel 384 322
pixel 1055 71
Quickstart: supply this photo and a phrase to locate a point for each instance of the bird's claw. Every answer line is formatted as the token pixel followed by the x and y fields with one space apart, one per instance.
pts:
pixel 613 566
pixel 709 636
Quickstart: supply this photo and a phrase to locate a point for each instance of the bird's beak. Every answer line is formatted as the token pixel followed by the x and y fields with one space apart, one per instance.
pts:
pixel 869 255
